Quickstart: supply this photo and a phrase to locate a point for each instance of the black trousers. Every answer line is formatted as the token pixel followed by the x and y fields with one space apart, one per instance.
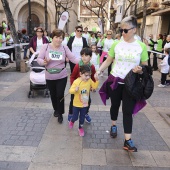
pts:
pixel 71 66
pixel 71 104
pixel 163 78
pixel 149 60
pixel 116 96
pixel 57 88
pixel 155 63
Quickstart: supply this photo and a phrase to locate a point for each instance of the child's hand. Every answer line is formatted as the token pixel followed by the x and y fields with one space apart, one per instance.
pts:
pixel 77 88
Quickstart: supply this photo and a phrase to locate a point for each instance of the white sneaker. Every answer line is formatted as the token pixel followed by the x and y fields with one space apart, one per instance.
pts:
pixel 161 85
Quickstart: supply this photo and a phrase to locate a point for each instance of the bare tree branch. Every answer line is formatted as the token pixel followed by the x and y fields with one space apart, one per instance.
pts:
pixel 130 3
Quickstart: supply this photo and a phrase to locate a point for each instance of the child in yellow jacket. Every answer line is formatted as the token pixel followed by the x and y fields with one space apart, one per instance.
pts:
pixel 81 89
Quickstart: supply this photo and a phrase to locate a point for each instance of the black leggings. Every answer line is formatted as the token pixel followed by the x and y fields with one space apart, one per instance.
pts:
pixel 57 88
pixel 71 66
pixel 128 104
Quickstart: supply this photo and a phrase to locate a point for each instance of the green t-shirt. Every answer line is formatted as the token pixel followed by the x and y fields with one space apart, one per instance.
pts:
pixel 159 45
pixel 127 56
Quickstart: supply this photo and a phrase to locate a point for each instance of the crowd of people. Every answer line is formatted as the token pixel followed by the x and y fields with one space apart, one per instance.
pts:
pixel 88 55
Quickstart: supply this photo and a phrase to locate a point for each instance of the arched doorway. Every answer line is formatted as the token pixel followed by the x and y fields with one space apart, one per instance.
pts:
pixel 35 22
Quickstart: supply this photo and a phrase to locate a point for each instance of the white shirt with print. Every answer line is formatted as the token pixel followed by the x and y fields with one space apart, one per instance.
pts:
pixel 127 56
pixel 77 46
pixel 107 44
pixel 39 44
pixel 86 36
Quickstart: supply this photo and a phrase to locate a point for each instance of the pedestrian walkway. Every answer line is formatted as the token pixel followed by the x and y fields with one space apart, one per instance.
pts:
pixel 32 139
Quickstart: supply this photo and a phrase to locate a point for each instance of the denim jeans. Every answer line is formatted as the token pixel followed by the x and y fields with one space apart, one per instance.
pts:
pixel 76 111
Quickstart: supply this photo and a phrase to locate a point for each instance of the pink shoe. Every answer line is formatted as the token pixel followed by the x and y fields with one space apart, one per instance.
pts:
pixel 81 131
pixel 71 124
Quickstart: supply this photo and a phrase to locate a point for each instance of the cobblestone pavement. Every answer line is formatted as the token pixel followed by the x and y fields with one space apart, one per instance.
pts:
pixel 32 139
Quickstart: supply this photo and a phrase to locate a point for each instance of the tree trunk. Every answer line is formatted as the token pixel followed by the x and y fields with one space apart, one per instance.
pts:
pixel 13 32
pixel 46 15
pixel 144 18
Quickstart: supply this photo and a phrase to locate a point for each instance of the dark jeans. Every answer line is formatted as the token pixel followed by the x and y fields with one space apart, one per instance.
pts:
pixel 116 96
pixel 71 104
pixel 76 111
pixel 57 88
pixel 71 66
pixel 163 78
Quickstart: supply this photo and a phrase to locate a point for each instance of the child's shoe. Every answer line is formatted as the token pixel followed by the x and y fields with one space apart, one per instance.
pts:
pixel 71 124
pixel 161 85
pixel 87 118
pixel 81 131
pixel 69 117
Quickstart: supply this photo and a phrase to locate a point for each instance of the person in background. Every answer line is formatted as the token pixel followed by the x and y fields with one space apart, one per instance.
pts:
pixel 81 90
pixel 106 43
pixel 92 39
pixel 150 43
pixel 46 35
pixel 37 41
pixel 158 48
pixel 3 39
pixel 4 24
pixel 95 60
pixel 53 56
pixel 86 35
pixel 66 39
pixel 127 54
pixel 117 37
pixel 10 42
pixel 164 68
pixel 76 44
pixel 25 39
pixel 164 40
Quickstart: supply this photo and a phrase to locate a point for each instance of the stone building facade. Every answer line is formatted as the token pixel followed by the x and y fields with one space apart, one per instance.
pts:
pixel 20 12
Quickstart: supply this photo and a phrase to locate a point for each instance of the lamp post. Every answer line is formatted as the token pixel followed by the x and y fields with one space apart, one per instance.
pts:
pixel 58 13
pixel 46 14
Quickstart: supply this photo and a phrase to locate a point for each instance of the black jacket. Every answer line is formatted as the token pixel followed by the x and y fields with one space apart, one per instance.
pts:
pixel 70 42
pixel 140 86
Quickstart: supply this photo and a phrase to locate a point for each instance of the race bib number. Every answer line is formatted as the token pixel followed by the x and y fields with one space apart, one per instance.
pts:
pixel 54 55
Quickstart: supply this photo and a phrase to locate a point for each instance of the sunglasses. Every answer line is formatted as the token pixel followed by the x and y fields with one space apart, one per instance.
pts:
pixel 79 31
pixel 125 30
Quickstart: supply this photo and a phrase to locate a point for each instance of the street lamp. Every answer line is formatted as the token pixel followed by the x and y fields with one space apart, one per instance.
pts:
pixel 58 12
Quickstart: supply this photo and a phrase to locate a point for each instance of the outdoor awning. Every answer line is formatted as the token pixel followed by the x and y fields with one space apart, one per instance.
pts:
pixel 161 12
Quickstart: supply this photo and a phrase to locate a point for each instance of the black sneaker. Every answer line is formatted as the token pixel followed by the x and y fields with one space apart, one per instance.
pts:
pixel 113 131
pixel 60 118
pixel 55 114
pixel 129 146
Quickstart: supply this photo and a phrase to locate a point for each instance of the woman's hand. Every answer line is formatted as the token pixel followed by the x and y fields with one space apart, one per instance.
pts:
pixel 67 60
pixel 46 61
pixel 137 69
pixel 96 75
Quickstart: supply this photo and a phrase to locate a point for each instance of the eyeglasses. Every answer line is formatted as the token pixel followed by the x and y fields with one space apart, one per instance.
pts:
pixel 125 30
pixel 39 31
pixel 79 31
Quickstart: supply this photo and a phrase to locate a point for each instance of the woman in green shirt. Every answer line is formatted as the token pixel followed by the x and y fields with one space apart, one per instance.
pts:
pixel 158 48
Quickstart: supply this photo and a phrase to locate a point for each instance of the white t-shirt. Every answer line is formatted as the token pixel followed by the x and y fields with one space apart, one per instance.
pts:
pixel 39 44
pixel 107 44
pixel 95 60
pixel 77 46
pixel 127 56
pixel 86 36
pixel 164 65
pixel 65 41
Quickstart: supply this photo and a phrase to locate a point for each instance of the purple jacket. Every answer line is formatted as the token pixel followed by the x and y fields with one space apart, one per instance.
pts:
pixel 104 94
pixel 33 42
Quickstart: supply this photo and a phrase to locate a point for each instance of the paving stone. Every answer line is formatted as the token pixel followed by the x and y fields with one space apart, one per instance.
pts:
pixel 14 165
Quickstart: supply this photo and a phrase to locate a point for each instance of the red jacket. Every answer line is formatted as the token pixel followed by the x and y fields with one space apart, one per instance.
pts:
pixel 76 73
